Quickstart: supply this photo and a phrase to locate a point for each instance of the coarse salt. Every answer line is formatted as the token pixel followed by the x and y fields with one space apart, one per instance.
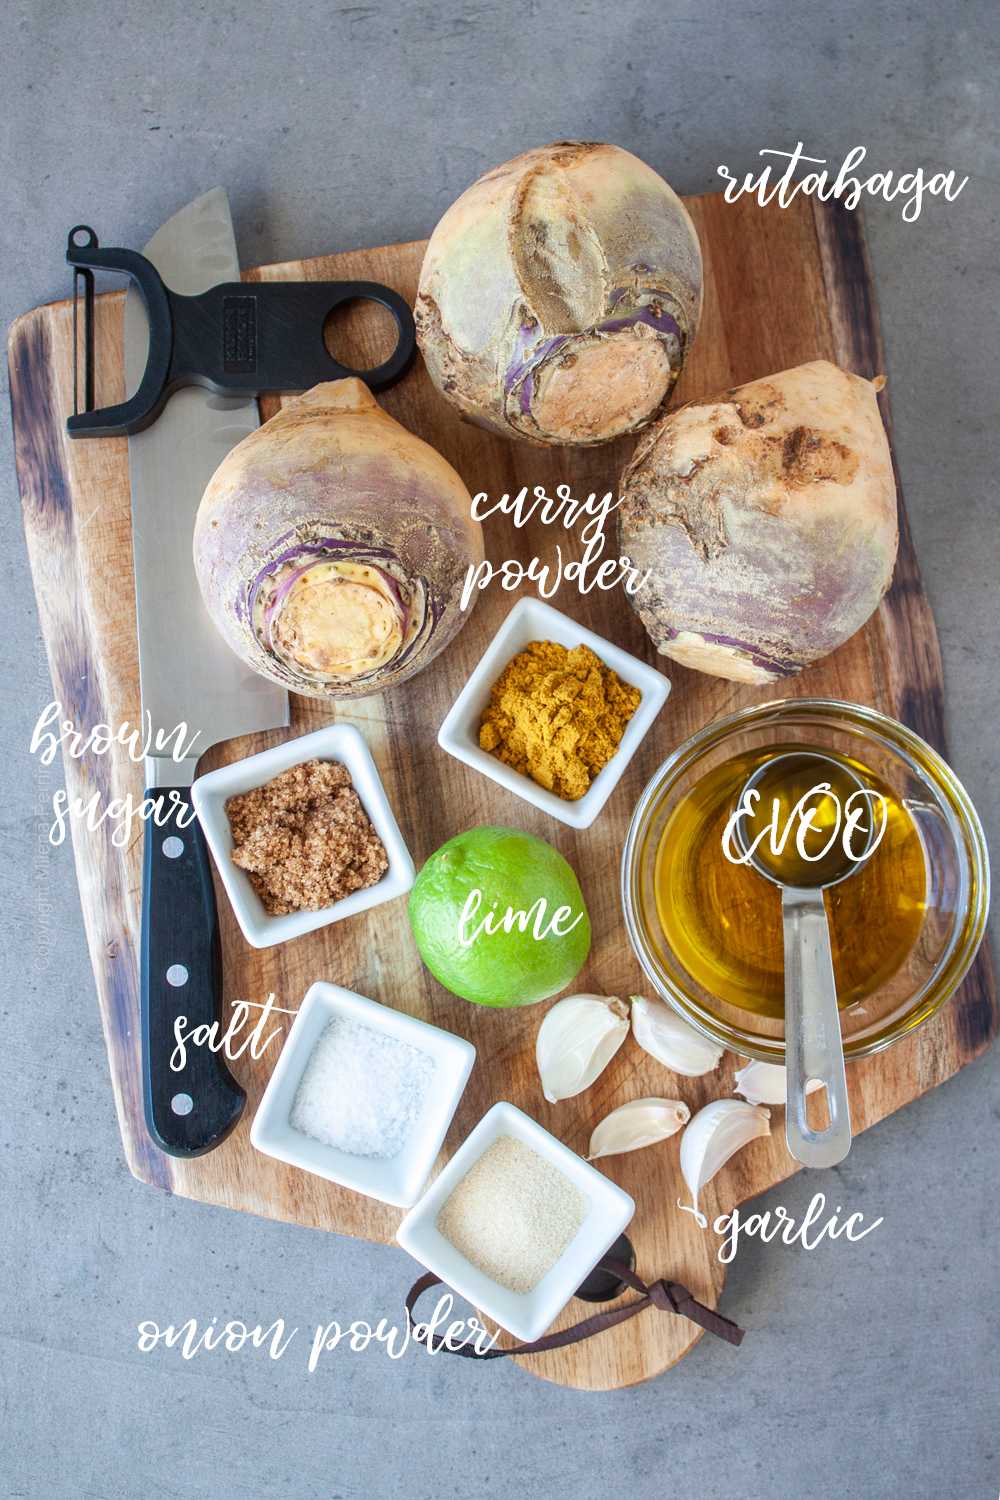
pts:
pixel 362 1090
pixel 513 1214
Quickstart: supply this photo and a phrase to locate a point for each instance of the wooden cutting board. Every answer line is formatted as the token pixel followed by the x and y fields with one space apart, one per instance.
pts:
pixel 782 287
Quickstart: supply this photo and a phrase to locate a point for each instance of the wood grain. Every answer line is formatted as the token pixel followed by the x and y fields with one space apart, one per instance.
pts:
pixel 782 287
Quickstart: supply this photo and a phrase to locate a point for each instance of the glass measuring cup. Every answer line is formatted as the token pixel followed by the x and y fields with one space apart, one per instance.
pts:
pixel 892 999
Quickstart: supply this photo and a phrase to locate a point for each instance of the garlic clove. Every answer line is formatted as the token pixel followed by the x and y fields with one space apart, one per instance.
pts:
pixel 766 1083
pixel 577 1039
pixel 715 1134
pixel 671 1040
pixel 640 1123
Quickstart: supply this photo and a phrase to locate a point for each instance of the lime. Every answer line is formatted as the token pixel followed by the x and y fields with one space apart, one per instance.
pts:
pixel 522 944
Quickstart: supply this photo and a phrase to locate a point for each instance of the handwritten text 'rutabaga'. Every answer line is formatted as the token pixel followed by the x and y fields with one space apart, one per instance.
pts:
pixel 845 184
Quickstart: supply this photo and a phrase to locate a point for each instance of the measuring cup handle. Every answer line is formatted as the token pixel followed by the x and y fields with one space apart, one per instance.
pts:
pixel 813 1045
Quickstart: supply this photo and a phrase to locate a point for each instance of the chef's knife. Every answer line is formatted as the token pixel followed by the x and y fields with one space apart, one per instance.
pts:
pixel 188 676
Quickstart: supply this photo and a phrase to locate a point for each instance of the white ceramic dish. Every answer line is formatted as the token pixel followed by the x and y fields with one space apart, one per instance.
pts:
pixel 524 1314
pixel 341 742
pixel 397 1179
pixel 533 620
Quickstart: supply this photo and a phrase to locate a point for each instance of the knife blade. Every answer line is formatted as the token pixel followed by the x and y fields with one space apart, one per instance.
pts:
pixel 188 677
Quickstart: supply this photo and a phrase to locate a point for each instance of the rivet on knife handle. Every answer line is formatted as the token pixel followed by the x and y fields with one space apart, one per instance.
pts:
pixel 192 1105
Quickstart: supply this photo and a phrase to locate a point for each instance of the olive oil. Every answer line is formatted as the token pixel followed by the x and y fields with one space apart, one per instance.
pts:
pixel 811 823
pixel 723 920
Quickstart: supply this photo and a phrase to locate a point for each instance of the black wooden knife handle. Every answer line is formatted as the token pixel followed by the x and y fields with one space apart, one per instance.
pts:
pixel 191 1099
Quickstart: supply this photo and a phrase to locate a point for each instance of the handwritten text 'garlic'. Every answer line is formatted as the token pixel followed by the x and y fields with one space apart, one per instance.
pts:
pixel 640 1123
pixel 672 1041
pixel 576 1041
pixel 715 1134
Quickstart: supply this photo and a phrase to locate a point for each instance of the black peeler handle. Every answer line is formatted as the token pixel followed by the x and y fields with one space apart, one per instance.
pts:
pixel 236 339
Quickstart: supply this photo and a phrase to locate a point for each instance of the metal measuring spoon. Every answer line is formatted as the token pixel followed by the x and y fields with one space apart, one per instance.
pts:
pixel 814 1047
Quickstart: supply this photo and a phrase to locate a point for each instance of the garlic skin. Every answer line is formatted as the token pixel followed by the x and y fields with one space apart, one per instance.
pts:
pixel 640 1123
pixel 766 1083
pixel 576 1040
pixel 671 1040
pixel 715 1134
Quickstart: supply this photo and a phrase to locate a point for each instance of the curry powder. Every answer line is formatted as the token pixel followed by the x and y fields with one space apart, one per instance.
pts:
pixel 558 716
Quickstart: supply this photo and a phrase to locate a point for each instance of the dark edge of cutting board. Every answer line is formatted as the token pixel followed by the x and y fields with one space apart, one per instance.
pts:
pixel 907 617
pixel 77 679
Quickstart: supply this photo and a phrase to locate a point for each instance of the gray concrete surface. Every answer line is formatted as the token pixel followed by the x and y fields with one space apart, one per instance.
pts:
pixel 869 1371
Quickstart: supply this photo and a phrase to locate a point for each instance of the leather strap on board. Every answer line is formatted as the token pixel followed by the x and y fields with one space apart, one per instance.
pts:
pixel 667 1296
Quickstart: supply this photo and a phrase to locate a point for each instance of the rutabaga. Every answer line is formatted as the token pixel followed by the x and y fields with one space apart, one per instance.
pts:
pixel 331 546
pixel 560 294
pixel 765 517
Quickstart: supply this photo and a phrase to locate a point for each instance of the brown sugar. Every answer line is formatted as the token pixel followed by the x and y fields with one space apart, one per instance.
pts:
pixel 304 839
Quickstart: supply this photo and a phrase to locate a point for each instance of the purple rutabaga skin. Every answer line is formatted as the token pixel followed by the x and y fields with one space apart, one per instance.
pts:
pixel 528 360
pixel 766 595
pixel 741 580
pixel 564 248
pixel 764 522
pixel 405 529
pixel 771 664
pixel 326 547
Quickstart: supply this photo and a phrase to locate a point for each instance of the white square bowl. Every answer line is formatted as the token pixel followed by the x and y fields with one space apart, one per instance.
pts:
pixel 340 742
pixel 396 1179
pixel 533 620
pixel 524 1314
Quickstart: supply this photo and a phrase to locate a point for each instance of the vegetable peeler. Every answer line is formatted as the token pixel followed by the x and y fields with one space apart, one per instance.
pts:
pixel 235 339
